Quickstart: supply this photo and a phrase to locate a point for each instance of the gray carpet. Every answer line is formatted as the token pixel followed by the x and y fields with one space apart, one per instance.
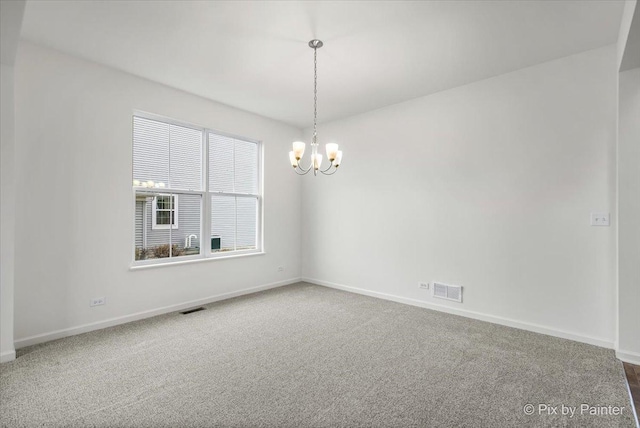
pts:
pixel 309 356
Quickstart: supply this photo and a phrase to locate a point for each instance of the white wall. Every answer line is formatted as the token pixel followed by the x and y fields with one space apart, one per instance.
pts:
pixel 628 45
pixel 75 229
pixel 489 186
pixel 629 216
pixel 7 212
pixel 10 22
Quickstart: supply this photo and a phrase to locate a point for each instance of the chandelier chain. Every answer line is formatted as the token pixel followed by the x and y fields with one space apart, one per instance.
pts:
pixel 315 93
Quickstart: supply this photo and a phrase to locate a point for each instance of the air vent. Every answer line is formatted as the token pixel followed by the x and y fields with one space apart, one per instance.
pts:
pixel 447 292
pixel 190 311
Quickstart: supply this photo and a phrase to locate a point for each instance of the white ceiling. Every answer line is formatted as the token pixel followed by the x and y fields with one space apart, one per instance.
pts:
pixel 254 55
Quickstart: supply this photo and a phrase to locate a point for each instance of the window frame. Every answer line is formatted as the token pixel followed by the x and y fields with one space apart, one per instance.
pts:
pixel 173 212
pixel 204 192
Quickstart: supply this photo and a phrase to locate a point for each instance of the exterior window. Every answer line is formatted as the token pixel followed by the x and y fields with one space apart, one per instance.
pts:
pixel 165 212
pixel 196 191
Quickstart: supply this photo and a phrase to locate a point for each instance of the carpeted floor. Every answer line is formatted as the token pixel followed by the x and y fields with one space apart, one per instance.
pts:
pixel 309 356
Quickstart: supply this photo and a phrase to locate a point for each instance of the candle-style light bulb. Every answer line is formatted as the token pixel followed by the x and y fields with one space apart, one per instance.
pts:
pixel 332 151
pixel 298 149
pixel 317 161
pixel 292 158
pixel 338 159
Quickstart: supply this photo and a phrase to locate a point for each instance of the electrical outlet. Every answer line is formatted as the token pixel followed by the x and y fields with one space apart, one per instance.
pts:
pixel 97 301
pixel 423 285
pixel 280 268
pixel 599 219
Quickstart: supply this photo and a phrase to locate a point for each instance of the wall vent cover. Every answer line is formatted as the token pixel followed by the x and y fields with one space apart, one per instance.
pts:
pixel 190 311
pixel 447 292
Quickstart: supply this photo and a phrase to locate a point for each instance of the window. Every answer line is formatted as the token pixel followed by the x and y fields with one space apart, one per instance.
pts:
pixel 165 212
pixel 233 189
pixel 196 191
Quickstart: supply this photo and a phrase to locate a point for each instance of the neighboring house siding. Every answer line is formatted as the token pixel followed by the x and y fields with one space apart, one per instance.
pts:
pixel 188 224
pixel 222 221
pixel 139 224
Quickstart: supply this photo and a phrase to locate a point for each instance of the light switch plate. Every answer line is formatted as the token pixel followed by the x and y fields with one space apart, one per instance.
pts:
pixel 599 219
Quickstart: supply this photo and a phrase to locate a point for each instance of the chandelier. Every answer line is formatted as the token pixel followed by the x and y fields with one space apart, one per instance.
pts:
pixel 333 154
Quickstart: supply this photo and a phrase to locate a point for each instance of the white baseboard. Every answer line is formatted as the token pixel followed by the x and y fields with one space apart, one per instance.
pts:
pixel 7 356
pixel 536 328
pixel 71 331
pixel 84 328
pixel 628 356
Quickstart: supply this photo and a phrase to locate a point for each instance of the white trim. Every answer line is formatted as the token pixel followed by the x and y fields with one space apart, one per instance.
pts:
pixel 84 328
pixel 7 356
pixel 186 124
pixel 628 357
pixel 536 328
pixel 205 223
pixel 241 195
pixel 145 207
pixel 165 260
pixel 183 260
pixel 260 222
pixel 155 191
pixel 164 119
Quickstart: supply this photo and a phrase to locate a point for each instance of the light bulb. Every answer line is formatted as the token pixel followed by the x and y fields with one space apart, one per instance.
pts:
pixel 338 159
pixel 298 149
pixel 332 151
pixel 292 158
pixel 136 183
pixel 150 183
pixel 317 161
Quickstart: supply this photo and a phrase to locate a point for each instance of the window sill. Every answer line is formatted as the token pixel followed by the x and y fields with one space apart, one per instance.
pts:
pixel 134 266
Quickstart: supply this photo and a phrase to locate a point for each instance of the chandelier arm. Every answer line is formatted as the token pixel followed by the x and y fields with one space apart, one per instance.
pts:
pixel 301 173
pixel 305 169
pixel 329 173
pixel 328 168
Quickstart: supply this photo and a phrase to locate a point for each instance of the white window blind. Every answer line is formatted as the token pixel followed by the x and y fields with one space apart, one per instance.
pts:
pixel 233 187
